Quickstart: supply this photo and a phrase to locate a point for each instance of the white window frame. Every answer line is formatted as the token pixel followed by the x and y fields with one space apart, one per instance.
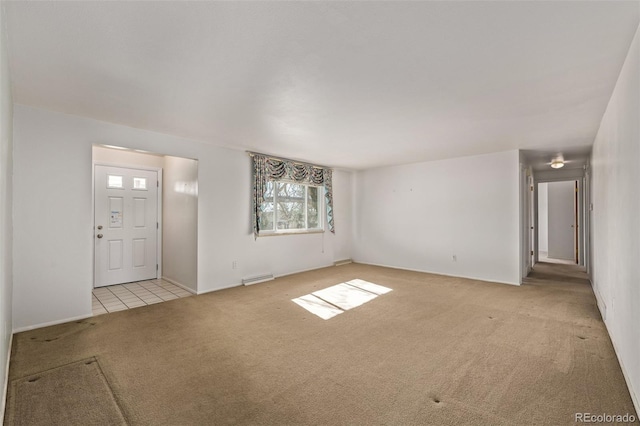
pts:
pixel 321 201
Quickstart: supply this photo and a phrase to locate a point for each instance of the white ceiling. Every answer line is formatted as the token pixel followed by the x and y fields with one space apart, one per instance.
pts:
pixel 345 84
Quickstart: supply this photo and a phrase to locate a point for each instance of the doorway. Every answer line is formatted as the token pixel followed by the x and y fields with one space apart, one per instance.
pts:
pixel 145 226
pixel 558 222
pixel 126 225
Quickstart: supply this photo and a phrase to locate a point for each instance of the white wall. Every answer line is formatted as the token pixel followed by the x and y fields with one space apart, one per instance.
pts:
pixel 543 217
pixel 418 216
pixel 179 221
pixel 6 196
pixel 561 215
pixel 53 247
pixel 615 222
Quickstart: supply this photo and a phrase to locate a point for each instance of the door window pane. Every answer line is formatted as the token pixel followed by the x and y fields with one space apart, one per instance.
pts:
pixel 139 183
pixel 114 182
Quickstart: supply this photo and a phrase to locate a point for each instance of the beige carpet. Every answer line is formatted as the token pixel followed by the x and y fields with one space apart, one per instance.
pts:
pixel 436 350
pixel 74 394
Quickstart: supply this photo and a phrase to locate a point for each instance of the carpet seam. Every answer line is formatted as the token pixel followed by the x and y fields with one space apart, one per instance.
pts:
pixel 54 368
pixel 11 401
pixel 326 301
pixel 113 394
pixel 364 289
pixel 94 358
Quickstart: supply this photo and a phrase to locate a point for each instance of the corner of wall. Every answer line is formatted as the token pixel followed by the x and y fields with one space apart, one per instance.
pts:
pixel 6 211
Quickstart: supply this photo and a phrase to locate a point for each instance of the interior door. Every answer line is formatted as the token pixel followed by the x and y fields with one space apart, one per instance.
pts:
pixel 532 230
pixel 562 220
pixel 126 225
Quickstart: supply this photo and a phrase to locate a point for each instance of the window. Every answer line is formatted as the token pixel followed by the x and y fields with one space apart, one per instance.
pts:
pixel 294 202
pixel 290 207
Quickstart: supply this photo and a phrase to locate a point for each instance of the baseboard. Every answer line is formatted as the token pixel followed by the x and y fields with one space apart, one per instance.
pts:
pixel 634 397
pixel 6 383
pixel 257 279
pixel 303 270
pixel 219 288
pixel 627 379
pixel 274 276
pixel 342 262
pixel 437 273
pixel 182 286
pixel 47 324
pixel 331 265
pixel 602 307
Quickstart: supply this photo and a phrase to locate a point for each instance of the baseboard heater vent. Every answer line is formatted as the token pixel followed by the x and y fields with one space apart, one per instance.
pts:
pixel 342 262
pixel 257 279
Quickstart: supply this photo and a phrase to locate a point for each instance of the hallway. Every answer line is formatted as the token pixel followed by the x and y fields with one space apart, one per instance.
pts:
pixel 558 274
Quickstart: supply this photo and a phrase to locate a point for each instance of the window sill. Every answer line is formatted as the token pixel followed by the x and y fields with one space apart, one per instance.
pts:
pixel 282 233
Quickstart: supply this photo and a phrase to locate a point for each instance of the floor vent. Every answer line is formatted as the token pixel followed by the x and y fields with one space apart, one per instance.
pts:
pixel 342 262
pixel 258 279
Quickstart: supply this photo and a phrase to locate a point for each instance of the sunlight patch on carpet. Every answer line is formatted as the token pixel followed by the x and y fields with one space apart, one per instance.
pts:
pixel 345 296
pixel 334 300
pixel 318 306
pixel 371 287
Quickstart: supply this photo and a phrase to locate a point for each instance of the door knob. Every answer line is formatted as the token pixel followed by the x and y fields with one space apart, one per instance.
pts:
pixel 99 226
pixel 100 235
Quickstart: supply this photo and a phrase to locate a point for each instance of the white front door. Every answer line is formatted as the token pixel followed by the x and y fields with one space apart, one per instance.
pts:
pixel 126 225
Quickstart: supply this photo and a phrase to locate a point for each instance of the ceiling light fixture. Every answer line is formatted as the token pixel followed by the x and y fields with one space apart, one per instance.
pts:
pixel 557 164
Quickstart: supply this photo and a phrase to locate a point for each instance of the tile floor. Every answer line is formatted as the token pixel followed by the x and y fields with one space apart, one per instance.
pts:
pixel 132 295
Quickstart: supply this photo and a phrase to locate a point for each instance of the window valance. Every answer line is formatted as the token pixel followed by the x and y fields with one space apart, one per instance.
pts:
pixel 269 168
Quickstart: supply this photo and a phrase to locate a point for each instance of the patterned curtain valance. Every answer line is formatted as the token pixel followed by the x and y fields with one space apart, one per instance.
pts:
pixel 268 168
pixel 298 172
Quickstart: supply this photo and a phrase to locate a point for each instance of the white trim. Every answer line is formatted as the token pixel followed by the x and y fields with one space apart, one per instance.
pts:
pixel 584 233
pixel 47 324
pixel 184 287
pixel 542 176
pixel 372 264
pixel 466 277
pixel 634 397
pixel 303 270
pixel 321 210
pixel 536 230
pixel 3 407
pixel 275 277
pixel 126 166
pixel 160 224
pixel 290 232
pixel 602 307
pixel 523 190
pixel 627 379
pixel 199 292
pixel 257 279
